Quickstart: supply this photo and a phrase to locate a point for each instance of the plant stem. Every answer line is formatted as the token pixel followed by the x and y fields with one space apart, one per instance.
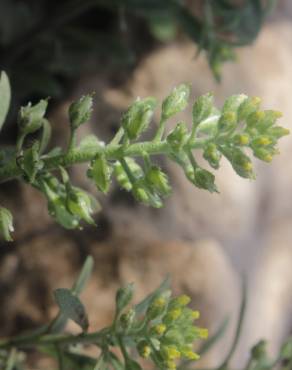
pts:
pixel 112 152
pixel 34 340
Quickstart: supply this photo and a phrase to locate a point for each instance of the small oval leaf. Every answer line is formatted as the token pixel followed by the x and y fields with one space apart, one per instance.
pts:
pixel 5 97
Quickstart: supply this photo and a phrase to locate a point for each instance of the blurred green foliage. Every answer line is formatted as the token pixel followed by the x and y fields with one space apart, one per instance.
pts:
pixel 46 44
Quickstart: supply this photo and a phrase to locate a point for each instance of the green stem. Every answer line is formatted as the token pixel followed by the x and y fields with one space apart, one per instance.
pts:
pixel 112 152
pixel 35 340
pixel 72 140
pixel 118 136
pixel 159 132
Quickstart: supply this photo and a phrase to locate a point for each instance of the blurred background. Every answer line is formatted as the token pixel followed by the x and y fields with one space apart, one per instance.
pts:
pixel 121 50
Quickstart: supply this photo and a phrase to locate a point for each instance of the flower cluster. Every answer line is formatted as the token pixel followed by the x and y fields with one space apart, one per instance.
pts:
pixel 171 331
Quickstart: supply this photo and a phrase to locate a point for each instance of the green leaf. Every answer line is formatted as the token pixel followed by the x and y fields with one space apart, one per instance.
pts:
pixel 31 162
pixel 45 136
pixel 123 297
pixel 90 141
pixel 5 97
pixel 176 102
pixel 71 307
pixel 202 108
pixel 6 223
pixel 84 276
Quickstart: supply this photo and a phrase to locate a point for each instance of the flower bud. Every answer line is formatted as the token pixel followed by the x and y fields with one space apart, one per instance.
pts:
pixel 127 319
pixel 158 180
pixel 247 107
pixel 156 308
pixel 240 162
pixel 30 118
pixel 176 102
pixel 277 132
pixel 269 119
pixel 212 155
pixel 79 203
pixel 80 111
pixel 227 122
pixel 122 177
pixel 144 349
pixel 233 103
pixel 178 137
pixel 6 224
pixel 123 296
pixel 202 108
pixel 137 118
pixel 100 171
pixel 241 139
pixel 263 154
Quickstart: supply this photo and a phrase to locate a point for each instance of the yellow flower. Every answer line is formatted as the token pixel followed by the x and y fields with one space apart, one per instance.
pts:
pixel 189 354
pixel 203 333
pixel 195 315
pixel 183 300
pixel 159 329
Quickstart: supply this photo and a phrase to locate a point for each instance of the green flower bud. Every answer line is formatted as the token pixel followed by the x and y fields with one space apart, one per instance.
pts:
pixel 262 141
pixel 239 161
pixel 123 297
pixel 140 194
pixel 176 102
pixel 178 137
pixel 247 107
pixel 157 307
pixel 100 171
pixel 158 180
pixel 233 103
pixel 127 319
pixel 204 179
pixel 268 120
pixel 144 349
pixel 227 122
pixel 58 210
pixel 264 154
pixel 212 155
pixel 79 203
pixel 6 224
pixel 80 111
pixel 122 177
pixel 277 132
pixel 241 139
pixel 202 108
pixel 254 118
pixel 30 118
pixel 137 118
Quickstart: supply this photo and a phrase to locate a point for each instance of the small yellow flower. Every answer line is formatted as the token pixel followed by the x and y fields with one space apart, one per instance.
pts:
pixel 170 365
pixel 174 314
pixel 203 333
pixel 183 300
pixel 171 352
pixel 243 139
pixel 189 354
pixel 159 329
pixel 247 166
pixel 195 315
pixel 145 351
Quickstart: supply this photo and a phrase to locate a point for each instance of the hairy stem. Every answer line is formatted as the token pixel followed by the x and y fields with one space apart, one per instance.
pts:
pixel 112 152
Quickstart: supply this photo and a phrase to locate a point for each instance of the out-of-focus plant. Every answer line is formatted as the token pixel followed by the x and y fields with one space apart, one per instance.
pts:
pixel 239 128
pixel 160 329
pixel 46 43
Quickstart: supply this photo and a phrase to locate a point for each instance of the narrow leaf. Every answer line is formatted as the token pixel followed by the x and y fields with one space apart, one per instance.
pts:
pixel 5 97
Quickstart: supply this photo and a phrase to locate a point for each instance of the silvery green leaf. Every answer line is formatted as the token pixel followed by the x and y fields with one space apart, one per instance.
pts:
pixel 123 297
pixel 202 108
pixel 6 223
pixel 71 307
pixel 5 96
pixel 100 171
pixel 176 102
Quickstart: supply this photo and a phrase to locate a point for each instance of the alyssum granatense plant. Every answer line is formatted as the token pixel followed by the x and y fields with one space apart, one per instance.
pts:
pixel 160 328
pixel 235 131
